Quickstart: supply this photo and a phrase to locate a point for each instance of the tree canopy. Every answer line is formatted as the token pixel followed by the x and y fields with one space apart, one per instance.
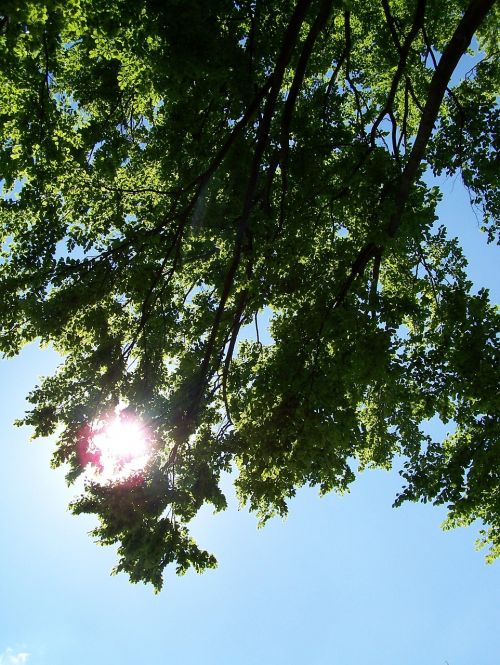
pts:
pixel 176 171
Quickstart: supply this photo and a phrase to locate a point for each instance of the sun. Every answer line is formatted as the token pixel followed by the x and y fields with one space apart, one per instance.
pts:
pixel 118 447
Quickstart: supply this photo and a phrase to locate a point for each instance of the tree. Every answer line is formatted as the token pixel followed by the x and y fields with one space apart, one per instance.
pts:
pixel 172 171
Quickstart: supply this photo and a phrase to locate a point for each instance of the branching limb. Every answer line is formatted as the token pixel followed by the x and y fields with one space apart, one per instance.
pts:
pixel 454 50
pixel 459 43
pixel 404 51
pixel 397 43
pixel 289 42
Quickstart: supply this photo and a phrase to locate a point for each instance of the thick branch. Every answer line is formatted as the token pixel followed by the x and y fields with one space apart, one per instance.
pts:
pixel 454 50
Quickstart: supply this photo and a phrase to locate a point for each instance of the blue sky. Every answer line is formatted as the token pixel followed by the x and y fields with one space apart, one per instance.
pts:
pixel 343 581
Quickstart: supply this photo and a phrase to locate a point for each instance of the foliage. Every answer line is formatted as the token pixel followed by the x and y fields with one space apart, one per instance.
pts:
pixel 172 171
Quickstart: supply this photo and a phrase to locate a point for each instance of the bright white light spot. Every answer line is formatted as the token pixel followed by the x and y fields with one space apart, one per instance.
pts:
pixel 118 448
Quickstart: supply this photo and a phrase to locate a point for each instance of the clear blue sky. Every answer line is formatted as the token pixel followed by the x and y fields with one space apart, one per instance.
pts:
pixel 343 581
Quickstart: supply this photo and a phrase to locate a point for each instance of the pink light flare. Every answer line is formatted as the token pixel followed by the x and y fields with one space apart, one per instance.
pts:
pixel 115 448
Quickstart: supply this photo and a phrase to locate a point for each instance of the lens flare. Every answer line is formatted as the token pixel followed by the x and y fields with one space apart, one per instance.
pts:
pixel 117 448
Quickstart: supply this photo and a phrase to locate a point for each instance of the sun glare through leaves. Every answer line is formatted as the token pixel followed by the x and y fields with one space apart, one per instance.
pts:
pixel 118 448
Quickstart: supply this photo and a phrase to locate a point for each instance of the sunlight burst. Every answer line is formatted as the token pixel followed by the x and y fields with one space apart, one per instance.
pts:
pixel 118 448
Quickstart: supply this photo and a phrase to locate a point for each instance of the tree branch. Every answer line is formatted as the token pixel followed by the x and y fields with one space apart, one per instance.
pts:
pixel 454 50
pixel 404 51
pixel 397 43
pixel 289 42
